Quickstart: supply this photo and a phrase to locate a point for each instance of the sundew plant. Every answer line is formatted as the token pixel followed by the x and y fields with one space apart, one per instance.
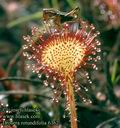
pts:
pixel 60 63
pixel 59 52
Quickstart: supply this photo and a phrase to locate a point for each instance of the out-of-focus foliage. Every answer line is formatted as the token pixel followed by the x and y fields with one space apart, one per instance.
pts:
pixel 19 87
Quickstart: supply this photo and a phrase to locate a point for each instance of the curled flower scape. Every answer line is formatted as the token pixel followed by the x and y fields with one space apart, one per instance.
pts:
pixel 59 53
pixel 109 11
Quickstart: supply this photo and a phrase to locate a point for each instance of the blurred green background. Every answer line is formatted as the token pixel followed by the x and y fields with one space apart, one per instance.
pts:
pixel 20 88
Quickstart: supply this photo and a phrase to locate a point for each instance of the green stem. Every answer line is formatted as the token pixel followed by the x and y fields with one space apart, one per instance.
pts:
pixel 115 67
pixel 71 3
pixel 21 20
pixel 55 4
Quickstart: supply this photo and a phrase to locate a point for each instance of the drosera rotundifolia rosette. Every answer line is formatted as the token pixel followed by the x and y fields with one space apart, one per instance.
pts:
pixel 59 53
